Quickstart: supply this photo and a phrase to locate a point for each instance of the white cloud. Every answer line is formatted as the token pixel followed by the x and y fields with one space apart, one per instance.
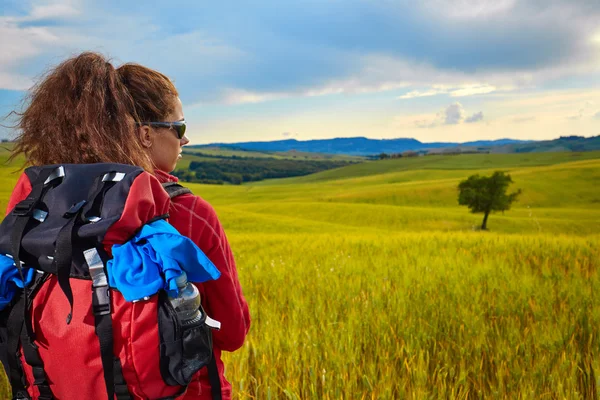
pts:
pixel 64 10
pixel 470 90
pixel 475 117
pixel 236 96
pixel 455 91
pixel 470 9
pixel 16 47
pixel 454 114
pixel 416 93
pixel 14 81
pixel 372 69
pixel 22 43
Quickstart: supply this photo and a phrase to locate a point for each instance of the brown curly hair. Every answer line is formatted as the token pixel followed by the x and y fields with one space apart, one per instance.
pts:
pixel 85 111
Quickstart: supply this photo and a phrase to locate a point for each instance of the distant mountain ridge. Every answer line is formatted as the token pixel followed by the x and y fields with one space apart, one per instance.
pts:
pixel 356 145
pixel 361 146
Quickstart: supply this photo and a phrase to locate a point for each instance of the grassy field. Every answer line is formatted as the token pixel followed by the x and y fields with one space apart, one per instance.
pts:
pixel 370 282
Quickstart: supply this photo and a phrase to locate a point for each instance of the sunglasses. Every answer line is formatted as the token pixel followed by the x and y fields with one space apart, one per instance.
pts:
pixel 177 126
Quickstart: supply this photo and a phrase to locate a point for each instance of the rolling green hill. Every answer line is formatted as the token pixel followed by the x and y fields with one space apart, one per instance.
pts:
pixel 560 193
pixel 288 155
pixel 384 288
pixel 445 162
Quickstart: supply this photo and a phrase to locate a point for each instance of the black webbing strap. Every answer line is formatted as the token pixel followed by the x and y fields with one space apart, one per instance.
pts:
pixel 111 365
pixel 120 385
pixel 30 349
pixel 15 373
pixel 32 357
pixel 23 211
pixel 63 252
pixel 103 325
pixel 101 307
pixel 174 189
pixel 213 377
pixel 101 303
pixel 63 255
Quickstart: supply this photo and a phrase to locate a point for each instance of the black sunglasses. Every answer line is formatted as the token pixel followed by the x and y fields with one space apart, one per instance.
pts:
pixel 177 126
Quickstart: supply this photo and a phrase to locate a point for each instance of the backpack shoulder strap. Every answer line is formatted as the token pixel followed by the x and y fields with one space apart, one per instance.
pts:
pixel 174 189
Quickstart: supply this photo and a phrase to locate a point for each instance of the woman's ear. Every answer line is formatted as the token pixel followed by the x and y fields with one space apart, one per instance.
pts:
pixel 145 136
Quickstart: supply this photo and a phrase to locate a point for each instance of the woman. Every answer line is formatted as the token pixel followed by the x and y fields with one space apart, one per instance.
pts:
pixel 86 111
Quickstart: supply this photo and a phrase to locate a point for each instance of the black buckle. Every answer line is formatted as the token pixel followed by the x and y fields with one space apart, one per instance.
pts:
pixel 25 208
pixel 21 395
pixel 75 209
pixel 101 300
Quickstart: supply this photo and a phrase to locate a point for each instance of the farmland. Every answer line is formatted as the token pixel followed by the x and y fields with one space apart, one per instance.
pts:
pixel 370 282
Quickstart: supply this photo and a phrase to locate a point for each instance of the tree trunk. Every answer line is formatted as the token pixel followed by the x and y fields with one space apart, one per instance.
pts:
pixel 484 224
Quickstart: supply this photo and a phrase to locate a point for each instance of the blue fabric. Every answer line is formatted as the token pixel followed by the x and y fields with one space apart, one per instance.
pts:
pixel 153 259
pixel 10 279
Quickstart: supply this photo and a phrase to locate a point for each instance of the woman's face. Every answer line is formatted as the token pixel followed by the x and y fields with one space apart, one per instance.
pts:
pixel 166 147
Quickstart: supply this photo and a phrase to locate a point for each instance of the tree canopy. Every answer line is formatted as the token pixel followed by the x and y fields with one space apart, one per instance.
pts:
pixel 484 194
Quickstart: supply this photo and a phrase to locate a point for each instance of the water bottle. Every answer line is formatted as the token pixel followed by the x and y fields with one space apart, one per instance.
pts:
pixel 187 303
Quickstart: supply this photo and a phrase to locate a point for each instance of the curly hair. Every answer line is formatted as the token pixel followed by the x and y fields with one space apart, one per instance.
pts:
pixel 85 111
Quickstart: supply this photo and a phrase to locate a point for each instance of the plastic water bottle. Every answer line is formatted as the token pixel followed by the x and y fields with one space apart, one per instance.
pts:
pixel 187 303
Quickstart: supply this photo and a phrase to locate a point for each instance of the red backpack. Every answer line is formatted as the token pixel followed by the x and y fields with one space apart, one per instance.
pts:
pixel 68 335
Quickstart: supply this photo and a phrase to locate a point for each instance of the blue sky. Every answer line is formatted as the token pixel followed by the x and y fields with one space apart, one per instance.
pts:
pixel 451 70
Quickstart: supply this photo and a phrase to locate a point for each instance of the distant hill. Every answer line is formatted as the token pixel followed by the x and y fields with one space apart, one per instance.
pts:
pixel 361 146
pixel 358 146
pixel 564 143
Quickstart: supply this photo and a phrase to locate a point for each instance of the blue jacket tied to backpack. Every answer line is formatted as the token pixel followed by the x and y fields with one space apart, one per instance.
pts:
pixel 150 261
pixel 153 258
pixel 10 279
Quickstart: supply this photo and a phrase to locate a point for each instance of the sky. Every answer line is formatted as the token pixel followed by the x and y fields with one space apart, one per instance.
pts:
pixel 433 70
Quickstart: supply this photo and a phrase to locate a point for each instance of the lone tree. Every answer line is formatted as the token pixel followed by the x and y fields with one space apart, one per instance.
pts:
pixel 484 194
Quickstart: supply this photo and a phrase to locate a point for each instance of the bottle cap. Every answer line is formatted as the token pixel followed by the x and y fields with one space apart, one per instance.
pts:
pixel 181 280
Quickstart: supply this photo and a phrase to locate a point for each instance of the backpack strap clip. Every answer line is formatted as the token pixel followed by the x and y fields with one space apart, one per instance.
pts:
pixel 25 208
pixel 21 395
pixel 101 300
pixel 75 209
pixel 113 374
pixel 101 292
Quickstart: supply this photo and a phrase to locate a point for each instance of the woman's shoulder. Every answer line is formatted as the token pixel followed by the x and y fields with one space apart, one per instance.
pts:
pixel 195 204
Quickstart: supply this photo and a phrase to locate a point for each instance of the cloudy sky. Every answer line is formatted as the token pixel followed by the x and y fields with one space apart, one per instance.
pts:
pixel 452 70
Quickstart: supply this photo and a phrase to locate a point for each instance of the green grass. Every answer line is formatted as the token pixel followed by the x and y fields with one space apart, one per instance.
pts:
pixel 461 162
pixel 370 282
pixel 427 315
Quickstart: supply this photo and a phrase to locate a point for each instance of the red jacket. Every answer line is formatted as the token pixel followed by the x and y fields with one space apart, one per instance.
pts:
pixel 222 299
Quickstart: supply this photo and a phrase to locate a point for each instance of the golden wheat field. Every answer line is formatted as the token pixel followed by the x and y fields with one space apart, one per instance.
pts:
pixel 370 282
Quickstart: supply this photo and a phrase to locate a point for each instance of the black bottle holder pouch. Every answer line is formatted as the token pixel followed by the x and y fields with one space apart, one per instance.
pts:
pixel 184 349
